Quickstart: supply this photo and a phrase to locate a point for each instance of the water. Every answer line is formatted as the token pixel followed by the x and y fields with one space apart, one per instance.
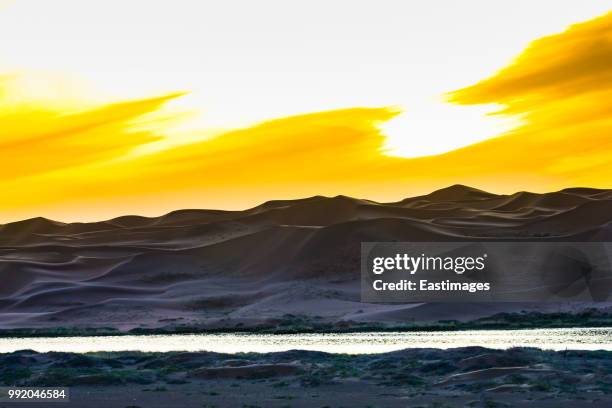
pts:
pixel 349 343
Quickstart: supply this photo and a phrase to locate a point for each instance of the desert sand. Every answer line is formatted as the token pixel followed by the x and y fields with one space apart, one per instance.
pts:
pixel 283 259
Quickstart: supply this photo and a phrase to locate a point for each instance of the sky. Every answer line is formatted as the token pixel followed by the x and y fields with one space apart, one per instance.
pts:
pixel 115 107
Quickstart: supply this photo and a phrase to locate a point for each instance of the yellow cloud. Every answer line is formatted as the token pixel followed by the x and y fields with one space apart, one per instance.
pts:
pixel 306 154
pixel 36 139
pixel 562 88
pixel 564 65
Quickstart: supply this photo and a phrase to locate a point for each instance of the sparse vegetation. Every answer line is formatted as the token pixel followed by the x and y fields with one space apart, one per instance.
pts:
pixel 291 324
pixel 419 373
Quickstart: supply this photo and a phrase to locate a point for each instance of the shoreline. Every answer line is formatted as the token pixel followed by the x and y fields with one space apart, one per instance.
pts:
pixel 590 318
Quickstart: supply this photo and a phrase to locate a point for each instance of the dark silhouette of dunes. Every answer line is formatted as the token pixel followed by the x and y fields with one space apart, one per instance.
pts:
pixel 213 268
pixel 457 193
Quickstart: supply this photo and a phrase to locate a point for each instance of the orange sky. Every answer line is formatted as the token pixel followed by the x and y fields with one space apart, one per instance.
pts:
pixel 83 164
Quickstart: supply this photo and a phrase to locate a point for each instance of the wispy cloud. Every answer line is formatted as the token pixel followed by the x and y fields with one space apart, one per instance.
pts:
pixel 561 86
pixel 35 139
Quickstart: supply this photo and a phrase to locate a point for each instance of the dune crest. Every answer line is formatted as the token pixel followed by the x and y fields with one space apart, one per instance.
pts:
pixel 213 268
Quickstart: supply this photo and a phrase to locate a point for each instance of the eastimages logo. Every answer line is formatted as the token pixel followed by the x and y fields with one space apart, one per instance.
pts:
pixel 485 271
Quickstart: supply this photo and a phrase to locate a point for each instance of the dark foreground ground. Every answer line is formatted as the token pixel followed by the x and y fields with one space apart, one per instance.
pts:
pixel 462 377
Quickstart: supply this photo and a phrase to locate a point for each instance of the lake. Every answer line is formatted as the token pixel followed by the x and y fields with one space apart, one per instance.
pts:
pixel 349 343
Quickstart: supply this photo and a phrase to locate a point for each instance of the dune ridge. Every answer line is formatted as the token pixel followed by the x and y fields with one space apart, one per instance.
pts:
pixel 219 269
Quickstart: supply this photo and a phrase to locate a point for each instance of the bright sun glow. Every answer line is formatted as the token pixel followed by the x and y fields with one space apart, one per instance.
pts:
pixel 435 127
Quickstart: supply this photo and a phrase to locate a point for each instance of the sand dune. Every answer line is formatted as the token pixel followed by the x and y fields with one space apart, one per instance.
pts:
pixel 213 268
